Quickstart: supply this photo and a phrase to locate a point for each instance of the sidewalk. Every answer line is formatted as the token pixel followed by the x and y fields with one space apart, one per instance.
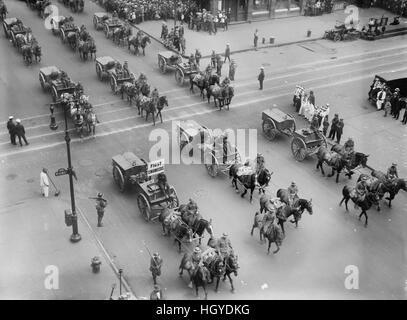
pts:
pixel 285 31
pixel 33 235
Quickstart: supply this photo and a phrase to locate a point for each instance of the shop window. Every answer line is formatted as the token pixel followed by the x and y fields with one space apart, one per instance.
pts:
pixel 260 4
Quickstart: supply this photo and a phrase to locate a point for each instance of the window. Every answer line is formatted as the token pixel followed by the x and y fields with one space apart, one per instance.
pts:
pixel 242 4
pixel 260 4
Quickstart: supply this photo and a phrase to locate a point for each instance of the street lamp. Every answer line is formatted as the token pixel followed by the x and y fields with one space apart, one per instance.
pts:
pixel 75 237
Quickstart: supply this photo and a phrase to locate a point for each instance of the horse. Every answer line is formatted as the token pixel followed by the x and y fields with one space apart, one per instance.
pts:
pixel 249 180
pixel 171 221
pixel 216 269
pixel 196 222
pixel 259 220
pixel 144 40
pixel 391 187
pixel 222 94
pixel 72 39
pixel 161 103
pixel 120 34
pixel 36 49
pixel 335 160
pixel 231 266
pixel 296 210
pixel 200 277
pixel 135 42
pixel 27 54
pixel 357 159
pixel 147 104
pixel 130 90
pixel 273 233
pixel 371 198
pixel 91 121
pixel 199 81
pixel 83 49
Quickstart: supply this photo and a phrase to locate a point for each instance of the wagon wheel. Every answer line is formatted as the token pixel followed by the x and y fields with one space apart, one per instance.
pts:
pixel 113 83
pixel 62 34
pixel 324 142
pixel 179 77
pixel 144 206
pixel 299 149
pixel 212 167
pixel 118 178
pixel 293 126
pixel 106 30
pixel 269 129
pixel 95 22
pixel 337 37
pixel 162 65
pixel 99 71
pixel 13 39
pixel 42 81
pixel 175 201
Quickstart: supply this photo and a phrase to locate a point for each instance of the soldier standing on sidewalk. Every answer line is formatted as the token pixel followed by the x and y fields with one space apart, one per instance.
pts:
pixel 100 208
pixel 155 266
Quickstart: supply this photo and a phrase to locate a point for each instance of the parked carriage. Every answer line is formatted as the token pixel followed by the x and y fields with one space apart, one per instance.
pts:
pixel 130 170
pixel 170 60
pixel 99 19
pixel 306 142
pixel 276 121
pixel 11 32
pixel 216 160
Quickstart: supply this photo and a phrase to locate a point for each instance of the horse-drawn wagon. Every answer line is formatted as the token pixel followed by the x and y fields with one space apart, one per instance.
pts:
pixel 276 121
pixel 12 27
pixel 130 170
pixel 191 132
pixel 67 28
pixel 117 79
pixel 172 60
pixel 56 23
pixel 306 142
pixel 220 155
pixel 99 19
pixel 341 32
pixel 105 66
pixel 111 24
pixel 50 78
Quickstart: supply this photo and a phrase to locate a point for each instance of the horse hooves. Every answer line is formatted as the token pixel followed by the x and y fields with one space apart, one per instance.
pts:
pixel 232 290
pixel 274 252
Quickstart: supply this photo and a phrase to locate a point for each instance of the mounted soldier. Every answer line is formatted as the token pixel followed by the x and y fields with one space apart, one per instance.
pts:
pixel 292 193
pixel 349 148
pixel 196 256
pixel 155 96
pixel 361 189
pixel 225 82
pixel 126 72
pixel 224 246
pixel 392 173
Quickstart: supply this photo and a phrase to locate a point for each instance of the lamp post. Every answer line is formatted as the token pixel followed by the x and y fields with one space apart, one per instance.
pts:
pixel 75 237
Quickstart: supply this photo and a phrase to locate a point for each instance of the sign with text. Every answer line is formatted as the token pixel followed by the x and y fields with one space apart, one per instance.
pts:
pixel 155 167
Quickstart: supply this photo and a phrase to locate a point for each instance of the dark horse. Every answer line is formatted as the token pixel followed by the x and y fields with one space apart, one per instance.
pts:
pixel 216 269
pixel 273 233
pixel 335 160
pixel 222 94
pixel 143 43
pixel 370 199
pixel 200 276
pixel 179 228
pixel 231 265
pixel 382 185
pixel 357 159
pixel 203 82
pixel 249 181
pixel 296 210
pixel 161 103
pixel 200 226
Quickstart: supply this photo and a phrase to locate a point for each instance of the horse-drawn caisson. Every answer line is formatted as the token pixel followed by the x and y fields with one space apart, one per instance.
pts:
pixel 69 33
pixel 12 27
pixel 99 19
pixel 170 60
pixel 276 121
pixel 149 180
pixel 107 67
pixel 53 79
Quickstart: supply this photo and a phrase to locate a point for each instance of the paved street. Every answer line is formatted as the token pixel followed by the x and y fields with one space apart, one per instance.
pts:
pixel 312 260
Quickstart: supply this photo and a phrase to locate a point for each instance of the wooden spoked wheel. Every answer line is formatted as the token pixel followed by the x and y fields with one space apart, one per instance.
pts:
pixel 299 149
pixel 42 81
pixel 162 65
pixel 174 197
pixel 118 178
pixel 144 206
pixel 179 77
pixel 99 71
pixel 269 129
pixel 113 83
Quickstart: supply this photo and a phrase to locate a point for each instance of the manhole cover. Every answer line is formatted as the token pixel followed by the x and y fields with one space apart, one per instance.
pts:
pixel 101 172
pixel 31 180
pixel 11 176
pixel 85 163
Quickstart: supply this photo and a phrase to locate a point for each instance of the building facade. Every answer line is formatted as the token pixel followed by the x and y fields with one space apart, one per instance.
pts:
pixel 247 10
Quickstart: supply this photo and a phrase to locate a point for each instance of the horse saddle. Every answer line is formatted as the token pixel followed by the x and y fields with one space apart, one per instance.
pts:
pixel 244 171
pixel 145 99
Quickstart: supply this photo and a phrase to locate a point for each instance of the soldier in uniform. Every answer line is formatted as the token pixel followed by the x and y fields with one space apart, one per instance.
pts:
pixel 192 62
pixel 196 256
pixel 225 82
pixel 198 56
pixel 155 95
pixel 65 79
pixel 155 266
pixel 79 88
pixel 100 208
pixel 349 146
pixel 392 172
pixel 361 189
pixel 232 70
pixel 224 246
pixel 126 71
pixel 292 193
pixel 119 70
pixel 259 163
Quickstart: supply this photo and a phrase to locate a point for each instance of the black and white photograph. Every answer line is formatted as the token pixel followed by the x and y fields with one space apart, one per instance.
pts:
pixel 203 150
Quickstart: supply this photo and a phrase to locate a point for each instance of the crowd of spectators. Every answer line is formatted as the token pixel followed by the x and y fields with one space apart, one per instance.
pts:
pixel 318 7
pixel 398 7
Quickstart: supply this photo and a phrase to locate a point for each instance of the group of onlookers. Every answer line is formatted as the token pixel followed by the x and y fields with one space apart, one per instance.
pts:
pixel 398 7
pixel 318 7
pixel 207 21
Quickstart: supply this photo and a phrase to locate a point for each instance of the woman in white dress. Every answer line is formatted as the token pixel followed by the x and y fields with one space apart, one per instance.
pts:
pixel 304 102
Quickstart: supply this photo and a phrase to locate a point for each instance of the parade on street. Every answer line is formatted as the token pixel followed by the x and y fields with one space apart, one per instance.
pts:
pixel 203 150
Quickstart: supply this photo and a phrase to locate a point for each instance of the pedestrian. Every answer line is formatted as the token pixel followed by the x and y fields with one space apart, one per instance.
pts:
pixel 227 52
pixel 397 105
pixel 256 39
pixel 44 183
pixel 232 70
pixel 261 78
pixel 219 65
pixel 11 127
pixel 182 45
pixel 387 107
pixel 334 124
pixel 404 121
pixel 213 59
pixel 215 24
pixel 198 56
pixel 381 97
pixel 100 208
pixel 157 293
pixel 20 131
pixel 155 266
pixel 325 125
pixel 339 130
pixel 311 98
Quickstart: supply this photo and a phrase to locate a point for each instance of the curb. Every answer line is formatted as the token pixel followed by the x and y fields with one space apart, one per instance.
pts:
pixel 106 254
